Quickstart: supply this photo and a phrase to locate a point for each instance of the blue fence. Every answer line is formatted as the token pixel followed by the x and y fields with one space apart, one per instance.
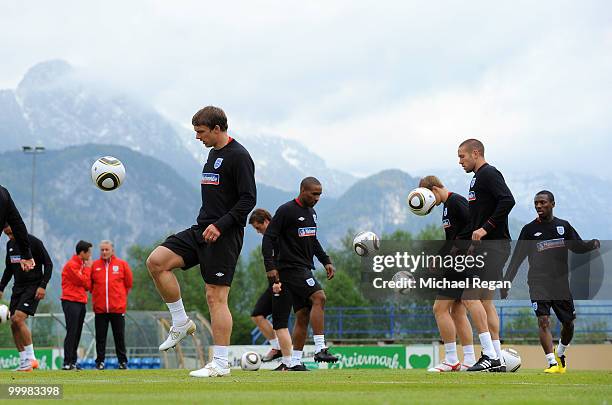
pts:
pixel 416 322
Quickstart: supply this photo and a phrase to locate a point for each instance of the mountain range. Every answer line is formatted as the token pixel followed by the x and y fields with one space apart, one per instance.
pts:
pixel 79 119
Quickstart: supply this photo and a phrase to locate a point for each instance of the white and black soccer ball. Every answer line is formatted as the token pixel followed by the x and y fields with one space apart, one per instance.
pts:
pixel 4 314
pixel 366 243
pixel 421 201
pixel 512 359
pixel 107 173
pixel 250 361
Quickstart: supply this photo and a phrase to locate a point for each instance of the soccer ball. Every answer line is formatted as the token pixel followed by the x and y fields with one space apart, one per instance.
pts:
pixel 421 201
pixel 250 361
pixel 4 314
pixel 512 359
pixel 365 243
pixel 107 173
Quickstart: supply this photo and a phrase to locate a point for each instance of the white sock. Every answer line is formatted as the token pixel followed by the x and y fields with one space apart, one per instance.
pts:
pixel 23 356
pixel 450 350
pixel 287 361
pixel 550 357
pixel 561 349
pixel 487 345
pixel 497 347
pixel 319 341
pixel 29 349
pixel 296 357
pixel 468 355
pixel 274 344
pixel 220 355
pixel 177 310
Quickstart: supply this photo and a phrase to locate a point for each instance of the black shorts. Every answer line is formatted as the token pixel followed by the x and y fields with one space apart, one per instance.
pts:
pixel 22 299
pixel 494 262
pixel 297 285
pixel 564 309
pixel 217 260
pixel 263 306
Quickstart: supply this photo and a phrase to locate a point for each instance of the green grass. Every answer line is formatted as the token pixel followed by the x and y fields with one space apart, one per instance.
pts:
pixel 324 386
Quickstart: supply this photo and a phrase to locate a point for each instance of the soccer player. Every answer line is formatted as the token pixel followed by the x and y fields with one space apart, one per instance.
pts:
pixel 10 215
pixel 545 242
pixel 228 195
pixel 288 247
pixel 260 219
pixel 449 312
pixel 490 202
pixel 28 289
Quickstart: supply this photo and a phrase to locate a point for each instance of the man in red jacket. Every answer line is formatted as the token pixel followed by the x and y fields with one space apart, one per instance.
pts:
pixel 76 281
pixel 111 280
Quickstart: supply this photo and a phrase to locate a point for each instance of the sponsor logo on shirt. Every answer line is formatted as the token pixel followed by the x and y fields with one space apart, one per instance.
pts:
pixel 473 182
pixel 15 259
pixel 534 305
pixel 219 274
pixel 314 216
pixel 445 211
pixel 472 196
pixel 537 234
pixel 301 218
pixel 308 231
pixel 310 281
pixel 446 224
pixel 98 268
pixel 550 244
pixel 218 163
pixel 210 179
pixel 560 230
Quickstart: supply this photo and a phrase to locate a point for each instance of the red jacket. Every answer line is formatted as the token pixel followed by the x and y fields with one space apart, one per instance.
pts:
pixel 76 280
pixel 111 283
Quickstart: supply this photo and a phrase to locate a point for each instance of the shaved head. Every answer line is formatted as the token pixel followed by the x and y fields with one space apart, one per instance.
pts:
pixel 470 145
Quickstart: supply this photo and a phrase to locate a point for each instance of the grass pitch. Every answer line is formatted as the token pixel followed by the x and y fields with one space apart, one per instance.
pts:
pixel 323 386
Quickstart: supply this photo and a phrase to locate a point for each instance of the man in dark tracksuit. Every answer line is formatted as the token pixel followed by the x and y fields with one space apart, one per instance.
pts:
pixel 288 246
pixel 545 242
pixel 10 215
pixel 490 202
pixel 28 289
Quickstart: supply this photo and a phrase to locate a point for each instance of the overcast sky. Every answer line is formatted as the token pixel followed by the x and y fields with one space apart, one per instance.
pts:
pixel 366 85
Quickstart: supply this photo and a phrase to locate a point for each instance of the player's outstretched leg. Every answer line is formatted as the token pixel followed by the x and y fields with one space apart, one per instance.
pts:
pixel 265 327
pixel 160 263
pixel 317 320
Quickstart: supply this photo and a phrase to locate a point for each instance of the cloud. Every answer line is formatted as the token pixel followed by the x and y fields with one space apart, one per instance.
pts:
pixel 366 84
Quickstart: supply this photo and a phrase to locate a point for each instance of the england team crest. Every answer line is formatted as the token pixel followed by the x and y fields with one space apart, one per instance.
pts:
pixel 560 230
pixel 218 163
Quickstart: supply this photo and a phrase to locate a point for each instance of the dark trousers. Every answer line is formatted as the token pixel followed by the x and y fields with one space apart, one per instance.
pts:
pixel 74 314
pixel 117 322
